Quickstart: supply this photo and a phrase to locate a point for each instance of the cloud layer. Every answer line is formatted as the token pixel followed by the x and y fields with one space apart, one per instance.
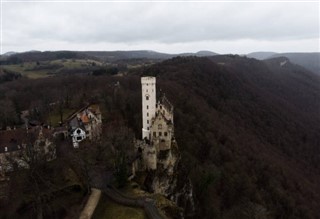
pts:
pixel 167 27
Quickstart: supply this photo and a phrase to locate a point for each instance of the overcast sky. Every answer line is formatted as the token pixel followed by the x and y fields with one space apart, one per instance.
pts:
pixel 222 27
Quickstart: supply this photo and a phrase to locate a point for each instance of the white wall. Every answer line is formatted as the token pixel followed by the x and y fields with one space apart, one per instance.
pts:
pixel 148 85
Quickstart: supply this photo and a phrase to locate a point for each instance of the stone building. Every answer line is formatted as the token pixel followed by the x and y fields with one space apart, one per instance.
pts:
pixel 157 129
pixel 161 128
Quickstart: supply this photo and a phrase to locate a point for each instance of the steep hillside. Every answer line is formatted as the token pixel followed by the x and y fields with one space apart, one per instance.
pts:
pixel 250 134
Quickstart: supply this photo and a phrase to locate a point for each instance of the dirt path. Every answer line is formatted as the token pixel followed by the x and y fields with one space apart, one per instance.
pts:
pixel 91 205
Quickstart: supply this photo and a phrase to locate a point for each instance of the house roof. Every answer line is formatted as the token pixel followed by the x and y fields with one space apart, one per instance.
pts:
pixel 94 108
pixel 12 140
pixel 84 118
pixel 80 117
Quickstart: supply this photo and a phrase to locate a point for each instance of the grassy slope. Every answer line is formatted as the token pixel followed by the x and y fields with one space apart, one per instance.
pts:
pixel 111 210
pixel 54 118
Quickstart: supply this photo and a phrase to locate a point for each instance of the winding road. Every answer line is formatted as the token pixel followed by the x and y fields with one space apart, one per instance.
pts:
pixel 143 202
pixel 101 179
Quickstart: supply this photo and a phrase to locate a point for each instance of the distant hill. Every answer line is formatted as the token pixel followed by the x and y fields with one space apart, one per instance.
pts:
pixel 205 53
pixel 9 53
pixel 201 53
pixel 260 55
pixel 119 55
pixel 106 56
pixel 310 61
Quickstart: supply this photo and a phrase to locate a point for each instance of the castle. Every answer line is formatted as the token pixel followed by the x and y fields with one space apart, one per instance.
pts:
pixel 157 129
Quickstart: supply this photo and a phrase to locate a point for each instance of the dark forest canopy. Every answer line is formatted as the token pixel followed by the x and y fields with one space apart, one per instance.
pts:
pixel 248 130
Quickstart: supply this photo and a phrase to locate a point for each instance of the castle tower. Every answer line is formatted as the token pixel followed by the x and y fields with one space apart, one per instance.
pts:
pixel 148 85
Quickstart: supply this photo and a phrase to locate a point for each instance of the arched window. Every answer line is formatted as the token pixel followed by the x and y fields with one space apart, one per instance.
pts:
pixel 147 97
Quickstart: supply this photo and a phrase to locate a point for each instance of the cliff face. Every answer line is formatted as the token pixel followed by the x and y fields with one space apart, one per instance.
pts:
pixel 170 179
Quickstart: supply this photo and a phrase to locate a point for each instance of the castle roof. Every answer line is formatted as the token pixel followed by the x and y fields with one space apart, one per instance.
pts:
pixel 166 103
pixel 95 109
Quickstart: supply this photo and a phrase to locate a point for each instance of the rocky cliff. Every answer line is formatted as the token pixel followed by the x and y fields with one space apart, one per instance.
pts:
pixel 171 180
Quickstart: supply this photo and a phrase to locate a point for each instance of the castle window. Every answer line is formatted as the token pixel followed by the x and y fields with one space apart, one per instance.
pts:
pixel 147 97
pixel 160 133
pixel 147 107
pixel 148 128
pixel 154 134
pixel 165 134
pixel 159 126
pixel 160 106
pixel 147 121
pixel 147 114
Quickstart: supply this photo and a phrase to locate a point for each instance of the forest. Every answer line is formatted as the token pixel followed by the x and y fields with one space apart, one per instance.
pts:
pixel 248 130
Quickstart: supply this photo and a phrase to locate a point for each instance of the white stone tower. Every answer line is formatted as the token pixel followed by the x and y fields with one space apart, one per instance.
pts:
pixel 148 85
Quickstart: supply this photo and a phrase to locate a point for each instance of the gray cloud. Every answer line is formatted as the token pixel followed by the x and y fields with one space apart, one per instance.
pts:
pixel 170 27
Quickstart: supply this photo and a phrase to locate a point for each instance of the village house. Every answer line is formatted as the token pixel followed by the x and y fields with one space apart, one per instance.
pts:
pixel 86 123
pixel 15 143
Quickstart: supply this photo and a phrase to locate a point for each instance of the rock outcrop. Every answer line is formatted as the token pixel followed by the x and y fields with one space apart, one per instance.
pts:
pixel 171 180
